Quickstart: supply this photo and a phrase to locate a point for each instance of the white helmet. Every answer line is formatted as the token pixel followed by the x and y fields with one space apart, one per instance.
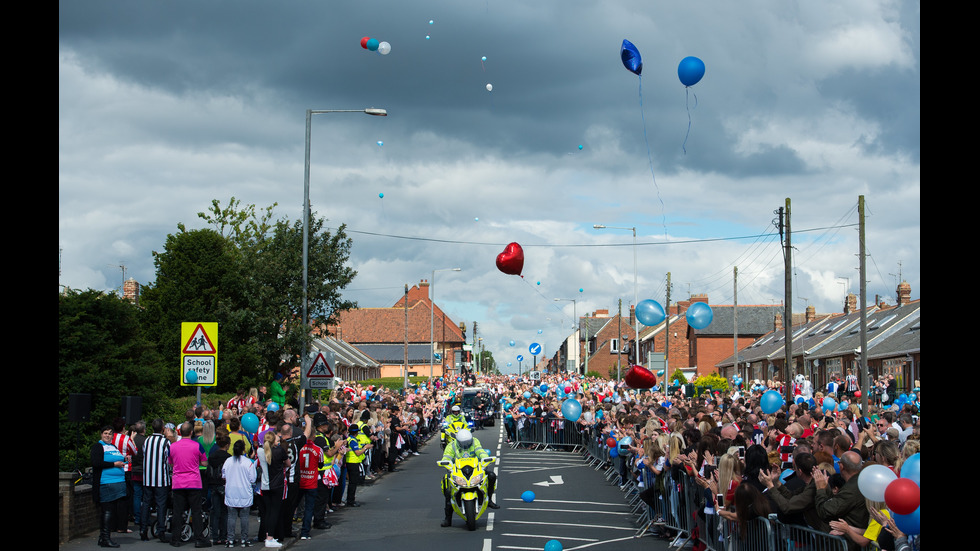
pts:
pixel 464 438
pixel 455 409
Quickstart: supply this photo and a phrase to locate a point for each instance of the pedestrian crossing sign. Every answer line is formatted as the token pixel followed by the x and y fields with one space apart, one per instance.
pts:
pixel 321 372
pixel 199 354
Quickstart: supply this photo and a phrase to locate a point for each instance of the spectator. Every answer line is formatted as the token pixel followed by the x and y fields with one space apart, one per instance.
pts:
pixel 799 507
pixel 156 480
pixel 186 456
pixel 749 505
pixel 122 441
pixel 216 489
pixel 109 483
pixel 310 461
pixel 239 475
pixel 848 503
pixel 277 392
pixel 278 464
pixel 138 435
pixel 357 446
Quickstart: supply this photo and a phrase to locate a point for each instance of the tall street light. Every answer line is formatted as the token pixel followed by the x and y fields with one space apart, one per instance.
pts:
pixel 306 222
pixel 636 322
pixel 578 345
pixel 432 307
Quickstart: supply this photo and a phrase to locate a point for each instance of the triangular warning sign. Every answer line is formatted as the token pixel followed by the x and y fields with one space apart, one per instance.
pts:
pixel 320 367
pixel 199 343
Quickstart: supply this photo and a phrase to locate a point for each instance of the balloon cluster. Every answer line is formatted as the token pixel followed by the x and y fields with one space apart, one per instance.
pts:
pixel 900 493
pixel 373 45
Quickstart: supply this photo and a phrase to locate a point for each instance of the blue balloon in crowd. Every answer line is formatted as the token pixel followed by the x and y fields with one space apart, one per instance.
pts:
pixel 544 387
pixel 910 468
pixel 190 377
pixel 811 403
pixel 771 401
pixel 528 496
pixel 690 70
pixel 527 394
pixel 599 414
pixel 800 399
pixel 250 422
pixel 909 524
pixel 273 407
pixel 613 452
pixel 553 545
pixel 829 404
pixel 571 409
pixel 785 475
pixel 631 57
pixel 624 444
pixel 522 409
pixel 699 315
pixel 650 312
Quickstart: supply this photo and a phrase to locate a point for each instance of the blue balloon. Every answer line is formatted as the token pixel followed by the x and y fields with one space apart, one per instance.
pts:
pixel 650 312
pixel 690 71
pixel 613 452
pixel 544 387
pixel 910 469
pixel 527 394
pixel 571 409
pixel 273 407
pixel 909 524
pixel 631 57
pixel 528 496
pixel 553 545
pixel 699 315
pixel 829 404
pixel 785 475
pixel 250 422
pixel 190 377
pixel 512 343
pixel 599 414
pixel 372 44
pixel 771 401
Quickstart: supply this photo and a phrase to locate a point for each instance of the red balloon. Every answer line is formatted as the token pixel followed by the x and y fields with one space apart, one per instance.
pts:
pixel 611 442
pixel 857 393
pixel 568 389
pixel 902 496
pixel 640 377
pixel 364 42
pixel 511 261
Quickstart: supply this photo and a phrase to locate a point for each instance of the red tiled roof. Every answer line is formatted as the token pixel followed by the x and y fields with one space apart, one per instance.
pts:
pixel 387 325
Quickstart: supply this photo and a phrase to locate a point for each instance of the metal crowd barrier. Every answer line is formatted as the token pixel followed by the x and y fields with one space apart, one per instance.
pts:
pixel 681 507
pixel 550 433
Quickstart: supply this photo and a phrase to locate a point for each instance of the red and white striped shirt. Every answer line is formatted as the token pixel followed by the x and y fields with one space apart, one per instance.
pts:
pixel 126 446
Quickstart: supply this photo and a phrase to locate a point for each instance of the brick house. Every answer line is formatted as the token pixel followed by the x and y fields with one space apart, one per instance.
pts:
pixel 381 334
pixel 606 344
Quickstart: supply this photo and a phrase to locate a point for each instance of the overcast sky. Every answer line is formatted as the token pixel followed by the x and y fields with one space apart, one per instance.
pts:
pixel 165 106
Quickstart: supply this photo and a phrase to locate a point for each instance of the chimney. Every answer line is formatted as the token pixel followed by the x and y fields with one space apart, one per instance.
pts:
pixel 777 323
pixel 904 293
pixel 811 313
pixel 632 315
pixel 131 291
pixel 604 313
pixel 424 284
pixel 850 303
pixel 699 298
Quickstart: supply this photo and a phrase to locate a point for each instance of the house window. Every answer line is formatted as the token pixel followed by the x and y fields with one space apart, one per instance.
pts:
pixel 614 345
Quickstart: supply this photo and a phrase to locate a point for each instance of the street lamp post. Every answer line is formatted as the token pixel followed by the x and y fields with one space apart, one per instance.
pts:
pixel 575 315
pixel 432 307
pixel 636 322
pixel 306 223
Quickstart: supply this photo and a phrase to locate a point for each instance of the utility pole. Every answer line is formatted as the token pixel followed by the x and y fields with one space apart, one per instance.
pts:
pixel 619 338
pixel 473 352
pixel 587 351
pixel 735 316
pixel 667 334
pixel 405 371
pixel 788 303
pixel 864 381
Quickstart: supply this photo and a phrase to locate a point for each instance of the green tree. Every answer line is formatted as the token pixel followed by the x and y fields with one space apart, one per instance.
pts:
pixel 272 254
pixel 487 364
pixel 200 277
pixel 103 351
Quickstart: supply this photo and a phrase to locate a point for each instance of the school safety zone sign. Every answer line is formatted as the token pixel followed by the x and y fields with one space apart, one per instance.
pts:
pixel 321 372
pixel 198 353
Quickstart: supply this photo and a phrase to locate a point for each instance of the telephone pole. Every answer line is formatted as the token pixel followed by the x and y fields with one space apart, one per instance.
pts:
pixel 784 217
pixel 864 381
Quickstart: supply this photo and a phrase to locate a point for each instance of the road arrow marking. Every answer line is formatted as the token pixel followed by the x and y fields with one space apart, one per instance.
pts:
pixel 554 480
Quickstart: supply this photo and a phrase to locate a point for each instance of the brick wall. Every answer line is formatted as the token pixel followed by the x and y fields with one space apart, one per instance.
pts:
pixel 77 514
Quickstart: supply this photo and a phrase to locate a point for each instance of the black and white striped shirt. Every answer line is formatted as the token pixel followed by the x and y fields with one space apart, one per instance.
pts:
pixel 156 455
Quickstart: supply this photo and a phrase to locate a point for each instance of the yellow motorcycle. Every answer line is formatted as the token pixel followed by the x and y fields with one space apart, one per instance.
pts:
pixel 467 487
pixel 449 431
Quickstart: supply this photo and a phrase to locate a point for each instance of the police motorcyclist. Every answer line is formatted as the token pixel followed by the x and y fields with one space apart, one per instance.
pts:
pixel 456 415
pixel 465 446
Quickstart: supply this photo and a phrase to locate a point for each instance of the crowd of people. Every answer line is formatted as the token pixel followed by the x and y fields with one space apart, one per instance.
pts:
pixel 296 467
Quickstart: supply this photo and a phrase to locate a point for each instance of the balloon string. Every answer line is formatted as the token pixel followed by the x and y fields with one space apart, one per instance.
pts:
pixel 687 102
pixel 650 159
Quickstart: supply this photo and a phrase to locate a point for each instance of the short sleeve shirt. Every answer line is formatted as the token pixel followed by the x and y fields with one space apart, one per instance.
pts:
pixel 186 455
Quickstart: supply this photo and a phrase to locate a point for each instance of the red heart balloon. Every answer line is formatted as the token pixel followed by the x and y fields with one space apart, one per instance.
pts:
pixel 640 377
pixel 511 261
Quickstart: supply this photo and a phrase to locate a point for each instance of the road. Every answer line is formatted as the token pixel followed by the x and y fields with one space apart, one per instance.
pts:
pixel 573 504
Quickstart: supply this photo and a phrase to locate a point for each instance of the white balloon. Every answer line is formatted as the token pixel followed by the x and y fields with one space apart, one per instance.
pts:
pixel 384 48
pixel 489 87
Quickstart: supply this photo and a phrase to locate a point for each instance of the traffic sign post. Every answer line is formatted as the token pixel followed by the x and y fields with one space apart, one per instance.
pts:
pixel 199 354
pixel 534 349
pixel 321 372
